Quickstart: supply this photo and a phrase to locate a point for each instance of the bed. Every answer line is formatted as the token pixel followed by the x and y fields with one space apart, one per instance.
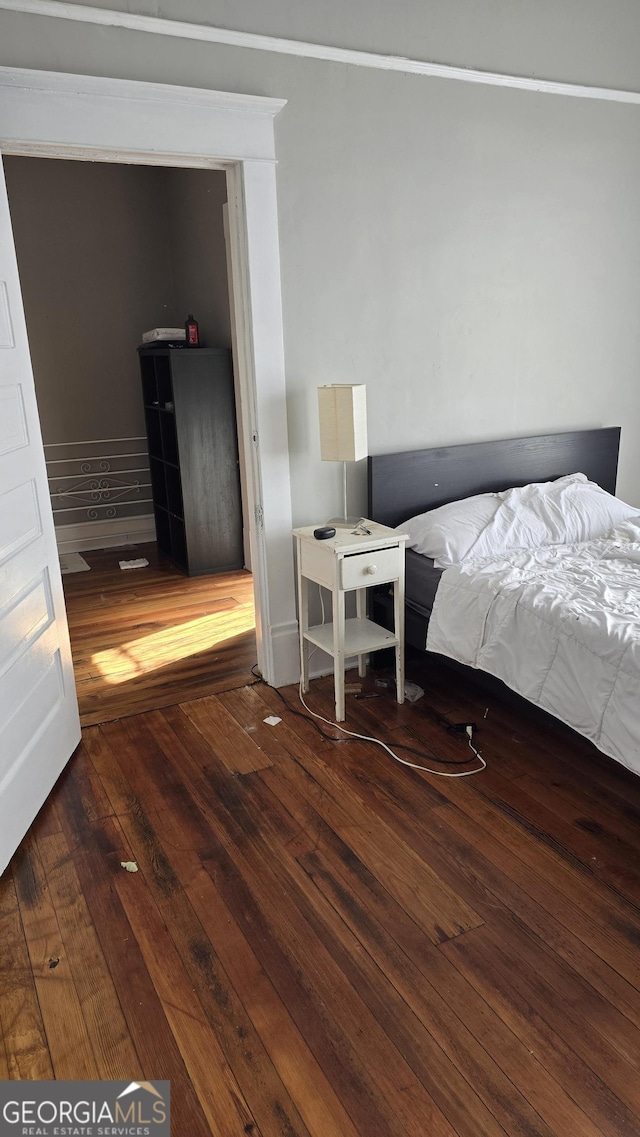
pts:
pixel 558 624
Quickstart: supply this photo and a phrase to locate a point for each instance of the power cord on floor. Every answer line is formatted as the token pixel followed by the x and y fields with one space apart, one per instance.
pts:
pixel 354 736
pixel 403 761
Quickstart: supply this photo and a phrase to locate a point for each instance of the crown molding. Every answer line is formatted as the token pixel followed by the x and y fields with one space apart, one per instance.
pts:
pixel 155 25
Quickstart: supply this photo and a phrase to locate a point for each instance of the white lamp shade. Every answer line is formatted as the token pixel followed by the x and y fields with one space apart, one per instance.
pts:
pixel 342 409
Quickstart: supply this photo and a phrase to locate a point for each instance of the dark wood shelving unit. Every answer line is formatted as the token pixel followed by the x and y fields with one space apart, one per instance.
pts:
pixel 189 408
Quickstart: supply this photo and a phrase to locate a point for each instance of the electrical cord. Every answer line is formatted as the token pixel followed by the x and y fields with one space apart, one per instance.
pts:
pixel 403 761
pixel 354 736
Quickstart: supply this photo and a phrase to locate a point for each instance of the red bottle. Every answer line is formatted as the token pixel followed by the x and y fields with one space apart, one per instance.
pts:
pixel 191 330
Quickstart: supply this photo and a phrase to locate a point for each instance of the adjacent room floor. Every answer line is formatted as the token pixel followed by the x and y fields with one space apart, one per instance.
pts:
pixel 319 942
pixel 149 637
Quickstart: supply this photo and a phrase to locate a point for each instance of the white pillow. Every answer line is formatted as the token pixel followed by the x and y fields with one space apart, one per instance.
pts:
pixel 565 512
pixel 447 534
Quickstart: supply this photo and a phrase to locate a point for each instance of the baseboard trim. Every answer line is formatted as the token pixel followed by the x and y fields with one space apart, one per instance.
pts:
pixel 286 654
pixel 105 534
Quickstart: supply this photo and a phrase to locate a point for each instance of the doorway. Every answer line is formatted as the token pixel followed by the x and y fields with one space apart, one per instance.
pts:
pixel 90 118
pixel 107 252
pixel 58 115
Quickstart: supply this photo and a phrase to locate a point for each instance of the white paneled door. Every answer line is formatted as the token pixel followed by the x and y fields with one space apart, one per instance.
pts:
pixel 39 724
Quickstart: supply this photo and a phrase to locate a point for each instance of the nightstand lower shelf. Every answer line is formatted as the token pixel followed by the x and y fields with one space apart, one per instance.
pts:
pixel 361 637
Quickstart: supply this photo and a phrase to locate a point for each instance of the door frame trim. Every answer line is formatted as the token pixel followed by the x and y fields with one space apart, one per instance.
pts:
pixel 86 118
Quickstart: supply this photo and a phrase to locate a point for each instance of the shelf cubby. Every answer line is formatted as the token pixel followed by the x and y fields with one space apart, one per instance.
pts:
pixel 154 433
pixel 169 438
pixel 163 531
pixel 158 482
pixel 178 540
pixel 174 490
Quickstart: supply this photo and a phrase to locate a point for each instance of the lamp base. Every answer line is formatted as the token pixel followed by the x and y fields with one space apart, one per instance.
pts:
pixel 345 522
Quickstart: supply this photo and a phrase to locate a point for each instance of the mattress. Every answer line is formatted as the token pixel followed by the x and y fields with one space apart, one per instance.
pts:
pixel 421 581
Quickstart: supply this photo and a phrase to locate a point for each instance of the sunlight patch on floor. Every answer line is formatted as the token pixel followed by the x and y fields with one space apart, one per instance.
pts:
pixel 159 649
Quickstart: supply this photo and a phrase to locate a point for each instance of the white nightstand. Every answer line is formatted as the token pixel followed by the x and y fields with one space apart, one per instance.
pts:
pixel 351 563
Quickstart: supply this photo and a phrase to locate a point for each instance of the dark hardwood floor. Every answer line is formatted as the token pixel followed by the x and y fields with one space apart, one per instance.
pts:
pixel 147 638
pixel 322 943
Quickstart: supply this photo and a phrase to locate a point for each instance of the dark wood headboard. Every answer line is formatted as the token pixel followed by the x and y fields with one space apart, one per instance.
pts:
pixel 403 485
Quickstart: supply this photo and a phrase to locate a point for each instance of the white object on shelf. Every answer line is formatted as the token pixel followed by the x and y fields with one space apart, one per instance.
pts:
pixel 160 334
pixel 351 562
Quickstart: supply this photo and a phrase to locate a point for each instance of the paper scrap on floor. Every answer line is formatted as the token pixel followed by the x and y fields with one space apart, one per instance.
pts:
pixel 73 562
pixel 141 562
pixel 272 720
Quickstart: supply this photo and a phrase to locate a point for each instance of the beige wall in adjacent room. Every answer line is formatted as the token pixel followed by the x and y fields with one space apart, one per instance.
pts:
pixel 105 252
pixel 194 206
pixel 94 275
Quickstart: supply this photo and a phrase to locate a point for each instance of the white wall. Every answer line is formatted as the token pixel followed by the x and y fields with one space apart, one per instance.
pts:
pixel 472 254
pixel 580 41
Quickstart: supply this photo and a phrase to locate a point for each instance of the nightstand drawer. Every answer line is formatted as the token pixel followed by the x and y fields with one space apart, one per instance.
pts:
pixel 364 569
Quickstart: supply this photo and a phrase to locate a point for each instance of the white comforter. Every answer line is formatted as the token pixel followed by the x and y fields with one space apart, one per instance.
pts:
pixel 560 625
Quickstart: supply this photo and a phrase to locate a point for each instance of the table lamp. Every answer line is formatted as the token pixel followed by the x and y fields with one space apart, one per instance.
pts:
pixel 342 409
